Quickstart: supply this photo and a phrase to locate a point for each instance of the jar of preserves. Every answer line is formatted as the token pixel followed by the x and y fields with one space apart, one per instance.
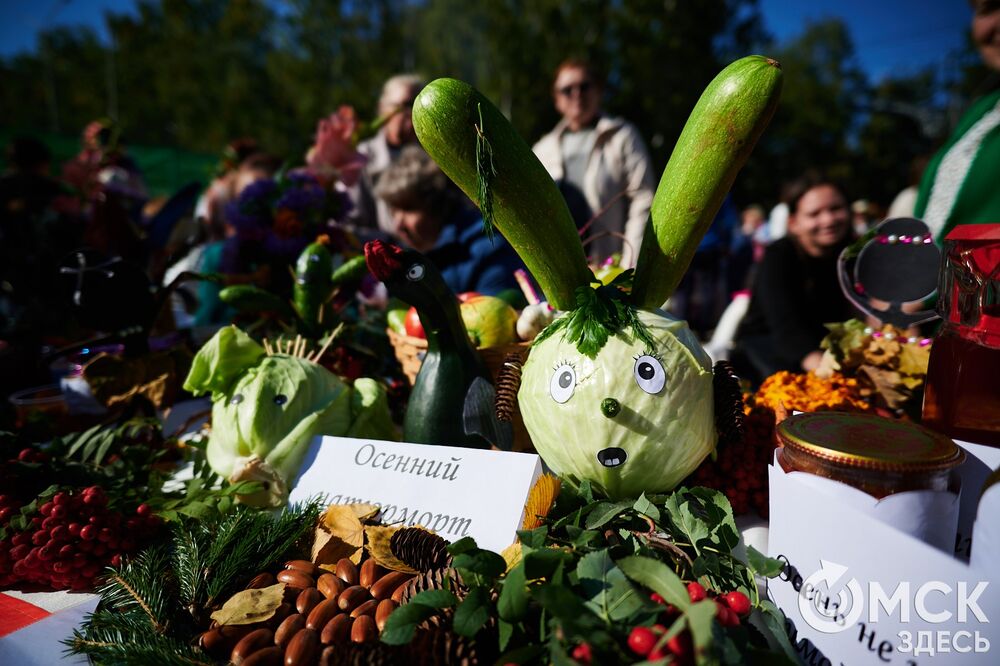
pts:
pixel 874 454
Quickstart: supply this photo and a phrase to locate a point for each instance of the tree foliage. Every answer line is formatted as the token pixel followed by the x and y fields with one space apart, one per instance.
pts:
pixel 194 74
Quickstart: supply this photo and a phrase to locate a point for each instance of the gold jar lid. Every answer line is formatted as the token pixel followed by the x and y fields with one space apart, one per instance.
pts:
pixel 869 442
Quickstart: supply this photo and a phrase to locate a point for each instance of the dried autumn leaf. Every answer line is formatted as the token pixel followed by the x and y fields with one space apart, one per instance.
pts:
pixel 380 550
pixel 250 606
pixel 913 359
pixel 543 494
pixel 340 534
pixel 364 511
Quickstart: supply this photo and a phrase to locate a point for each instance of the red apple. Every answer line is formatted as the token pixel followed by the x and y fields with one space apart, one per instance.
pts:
pixel 413 326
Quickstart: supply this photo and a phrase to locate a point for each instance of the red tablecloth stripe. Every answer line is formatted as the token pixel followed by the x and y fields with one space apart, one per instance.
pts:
pixel 16 614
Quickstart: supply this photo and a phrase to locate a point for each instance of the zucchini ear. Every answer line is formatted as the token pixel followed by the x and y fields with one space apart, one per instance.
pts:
pixel 478 148
pixel 221 360
pixel 714 145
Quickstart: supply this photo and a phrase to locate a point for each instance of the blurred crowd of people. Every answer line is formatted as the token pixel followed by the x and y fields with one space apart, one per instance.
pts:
pixel 360 181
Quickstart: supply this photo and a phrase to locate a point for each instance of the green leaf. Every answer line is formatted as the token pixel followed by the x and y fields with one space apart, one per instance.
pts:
pixel 434 599
pixel 774 622
pixel 605 511
pixel 699 618
pixel 513 602
pixel 506 631
pixel 482 562
pixel 608 592
pixel 463 545
pixel 560 601
pixel 762 565
pixel 542 563
pixel 646 508
pixel 402 623
pixel 533 538
pixel 693 528
pixel 472 613
pixel 658 577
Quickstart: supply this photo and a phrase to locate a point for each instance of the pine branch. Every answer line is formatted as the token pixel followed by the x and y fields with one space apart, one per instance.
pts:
pixel 141 584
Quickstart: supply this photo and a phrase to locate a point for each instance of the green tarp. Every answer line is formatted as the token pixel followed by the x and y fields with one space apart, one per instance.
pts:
pixel 165 170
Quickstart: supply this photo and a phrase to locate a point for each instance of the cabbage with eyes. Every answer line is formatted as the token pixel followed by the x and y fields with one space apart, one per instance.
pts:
pixel 266 409
pixel 633 418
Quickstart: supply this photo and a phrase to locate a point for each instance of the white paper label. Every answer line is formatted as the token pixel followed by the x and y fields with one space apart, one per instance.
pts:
pixel 456 492
pixel 858 591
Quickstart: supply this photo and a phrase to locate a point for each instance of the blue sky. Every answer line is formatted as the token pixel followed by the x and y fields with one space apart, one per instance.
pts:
pixel 891 36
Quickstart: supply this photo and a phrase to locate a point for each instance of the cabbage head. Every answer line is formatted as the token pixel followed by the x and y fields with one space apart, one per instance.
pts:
pixel 631 419
pixel 267 409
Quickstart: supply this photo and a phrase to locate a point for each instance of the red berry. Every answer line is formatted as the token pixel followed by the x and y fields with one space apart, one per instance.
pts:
pixel 74 529
pixel 40 537
pixel 582 653
pixel 143 510
pixel 727 618
pixel 46 508
pixel 59 511
pixel 696 592
pixel 116 560
pixel 641 640
pixel 60 499
pixel 656 654
pixel 680 645
pixel 657 598
pixel 88 533
pixel 738 602
pixel 26 455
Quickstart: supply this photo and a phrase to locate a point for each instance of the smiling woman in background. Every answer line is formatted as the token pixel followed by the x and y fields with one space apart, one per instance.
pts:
pixel 796 290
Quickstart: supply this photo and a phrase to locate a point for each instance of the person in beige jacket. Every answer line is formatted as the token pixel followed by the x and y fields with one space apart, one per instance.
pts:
pixel 600 163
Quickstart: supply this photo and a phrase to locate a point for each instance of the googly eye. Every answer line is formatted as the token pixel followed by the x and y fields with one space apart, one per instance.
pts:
pixel 280 399
pixel 563 382
pixel 415 273
pixel 649 374
pixel 236 399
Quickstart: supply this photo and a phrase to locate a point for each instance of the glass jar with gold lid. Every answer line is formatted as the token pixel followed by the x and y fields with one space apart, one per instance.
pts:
pixel 877 455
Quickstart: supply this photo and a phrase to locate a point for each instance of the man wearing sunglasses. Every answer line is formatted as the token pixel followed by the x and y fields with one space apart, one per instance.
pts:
pixel 601 165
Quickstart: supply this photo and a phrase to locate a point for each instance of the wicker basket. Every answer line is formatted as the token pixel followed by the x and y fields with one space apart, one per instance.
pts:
pixel 410 353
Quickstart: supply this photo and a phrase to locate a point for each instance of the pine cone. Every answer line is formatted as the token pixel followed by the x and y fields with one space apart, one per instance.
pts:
pixel 728 404
pixel 421 549
pixel 438 645
pixel 365 654
pixel 507 385
pixel 437 579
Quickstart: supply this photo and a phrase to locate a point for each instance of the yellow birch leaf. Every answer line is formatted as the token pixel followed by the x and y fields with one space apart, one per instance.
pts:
pixel 512 555
pixel 378 548
pixel 364 511
pixel 250 606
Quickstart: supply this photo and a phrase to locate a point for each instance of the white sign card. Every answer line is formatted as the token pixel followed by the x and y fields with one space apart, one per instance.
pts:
pixel 456 492
pixel 858 591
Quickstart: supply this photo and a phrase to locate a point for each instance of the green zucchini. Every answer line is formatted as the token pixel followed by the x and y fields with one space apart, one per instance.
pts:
pixel 716 141
pixel 528 208
pixel 248 299
pixel 351 270
pixel 312 283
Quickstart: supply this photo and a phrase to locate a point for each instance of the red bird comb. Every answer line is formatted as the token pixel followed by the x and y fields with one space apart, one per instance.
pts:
pixel 383 259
